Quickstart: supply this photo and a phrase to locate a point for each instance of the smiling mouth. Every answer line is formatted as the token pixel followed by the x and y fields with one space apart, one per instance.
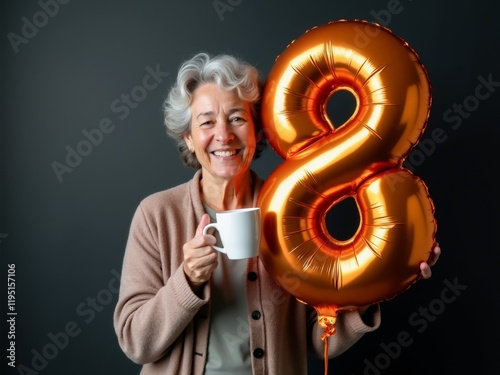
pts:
pixel 225 154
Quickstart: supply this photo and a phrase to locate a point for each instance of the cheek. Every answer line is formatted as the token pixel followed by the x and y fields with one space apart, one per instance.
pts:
pixel 251 137
pixel 201 140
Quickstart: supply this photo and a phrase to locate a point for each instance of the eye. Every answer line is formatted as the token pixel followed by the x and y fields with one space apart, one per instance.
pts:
pixel 237 120
pixel 207 123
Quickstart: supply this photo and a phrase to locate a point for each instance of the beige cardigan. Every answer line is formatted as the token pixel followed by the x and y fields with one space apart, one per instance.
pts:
pixel 163 325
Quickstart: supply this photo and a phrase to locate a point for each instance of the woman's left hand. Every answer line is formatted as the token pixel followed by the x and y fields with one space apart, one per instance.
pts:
pixel 425 267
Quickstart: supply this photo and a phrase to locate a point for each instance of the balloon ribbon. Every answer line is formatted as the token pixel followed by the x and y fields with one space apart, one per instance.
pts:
pixel 328 323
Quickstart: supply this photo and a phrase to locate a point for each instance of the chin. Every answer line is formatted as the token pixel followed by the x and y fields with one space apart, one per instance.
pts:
pixel 231 173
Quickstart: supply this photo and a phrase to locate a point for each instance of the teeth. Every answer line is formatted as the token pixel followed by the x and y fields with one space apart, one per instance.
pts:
pixel 224 153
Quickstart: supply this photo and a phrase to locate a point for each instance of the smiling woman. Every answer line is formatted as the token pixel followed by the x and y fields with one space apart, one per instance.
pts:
pixel 184 298
pixel 187 309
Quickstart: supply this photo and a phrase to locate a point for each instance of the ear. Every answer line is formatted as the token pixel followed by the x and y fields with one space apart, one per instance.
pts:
pixel 188 140
pixel 257 136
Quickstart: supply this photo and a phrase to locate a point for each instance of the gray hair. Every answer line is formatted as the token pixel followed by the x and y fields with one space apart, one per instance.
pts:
pixel 229 73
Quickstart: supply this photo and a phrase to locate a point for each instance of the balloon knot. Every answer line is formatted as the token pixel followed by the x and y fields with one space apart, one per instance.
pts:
pixel 328 323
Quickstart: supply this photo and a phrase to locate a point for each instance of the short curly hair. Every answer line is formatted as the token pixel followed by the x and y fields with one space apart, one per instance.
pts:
pixel 229 73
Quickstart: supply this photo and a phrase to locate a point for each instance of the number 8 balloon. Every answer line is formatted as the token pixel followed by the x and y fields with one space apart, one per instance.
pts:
pixel 362 159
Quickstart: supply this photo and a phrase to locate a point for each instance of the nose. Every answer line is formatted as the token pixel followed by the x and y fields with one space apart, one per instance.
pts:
pixel 224 132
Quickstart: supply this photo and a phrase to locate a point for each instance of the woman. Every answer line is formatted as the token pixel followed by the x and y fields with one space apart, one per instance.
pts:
pixel 184 308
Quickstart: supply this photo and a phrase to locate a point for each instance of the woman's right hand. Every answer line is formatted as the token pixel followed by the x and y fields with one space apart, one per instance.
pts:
pixel 200 259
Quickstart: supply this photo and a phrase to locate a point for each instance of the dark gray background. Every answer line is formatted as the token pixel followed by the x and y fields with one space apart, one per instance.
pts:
pixel 66 238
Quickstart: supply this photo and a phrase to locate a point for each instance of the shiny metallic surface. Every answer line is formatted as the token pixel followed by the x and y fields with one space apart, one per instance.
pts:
pixel 362 158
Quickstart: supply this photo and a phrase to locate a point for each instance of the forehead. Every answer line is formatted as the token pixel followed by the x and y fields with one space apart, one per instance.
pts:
pixel 209 97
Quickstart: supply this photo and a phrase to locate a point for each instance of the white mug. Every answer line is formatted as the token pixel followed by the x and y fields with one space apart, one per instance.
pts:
pixel 240 232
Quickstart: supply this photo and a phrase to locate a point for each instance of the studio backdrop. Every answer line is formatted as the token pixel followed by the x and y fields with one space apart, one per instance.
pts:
pixel 82 142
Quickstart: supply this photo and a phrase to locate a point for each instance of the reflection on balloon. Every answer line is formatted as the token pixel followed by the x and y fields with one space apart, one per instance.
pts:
pixel 362 158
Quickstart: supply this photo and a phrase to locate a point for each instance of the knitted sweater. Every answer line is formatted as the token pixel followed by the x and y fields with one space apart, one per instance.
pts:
pixel 163 325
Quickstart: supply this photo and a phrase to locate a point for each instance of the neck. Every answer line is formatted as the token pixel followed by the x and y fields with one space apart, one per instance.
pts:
pixel 223 195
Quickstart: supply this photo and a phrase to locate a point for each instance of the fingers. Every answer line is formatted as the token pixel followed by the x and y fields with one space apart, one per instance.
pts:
pixel 200 271
pixel 425 267
pixel 425 270
pixel 200 259
pixel 436 252
pixel 205 220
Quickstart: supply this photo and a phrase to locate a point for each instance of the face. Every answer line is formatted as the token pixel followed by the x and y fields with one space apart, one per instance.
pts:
pixel 222 132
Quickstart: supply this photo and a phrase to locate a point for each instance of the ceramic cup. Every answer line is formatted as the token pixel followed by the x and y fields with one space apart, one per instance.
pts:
pixel 239 231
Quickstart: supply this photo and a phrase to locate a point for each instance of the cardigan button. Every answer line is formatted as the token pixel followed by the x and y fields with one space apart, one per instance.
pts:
pixel 256 315
pixel 258 353
pixel 252 276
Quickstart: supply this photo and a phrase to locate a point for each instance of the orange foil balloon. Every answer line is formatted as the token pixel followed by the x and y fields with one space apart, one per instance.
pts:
pixel 361 159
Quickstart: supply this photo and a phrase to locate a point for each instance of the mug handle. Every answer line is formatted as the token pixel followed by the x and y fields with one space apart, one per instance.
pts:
pixel 213 225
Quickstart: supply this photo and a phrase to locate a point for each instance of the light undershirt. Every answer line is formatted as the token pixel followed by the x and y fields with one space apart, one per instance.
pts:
pixel 229 338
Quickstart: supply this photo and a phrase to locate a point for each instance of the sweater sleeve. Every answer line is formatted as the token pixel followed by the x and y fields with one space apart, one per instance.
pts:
pixel 150 313
pixel 349 328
